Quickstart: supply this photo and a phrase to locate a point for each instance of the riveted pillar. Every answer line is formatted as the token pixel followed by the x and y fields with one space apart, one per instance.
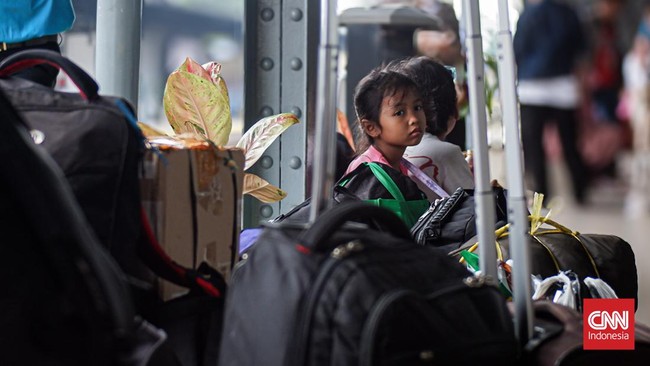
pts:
pixel 281 43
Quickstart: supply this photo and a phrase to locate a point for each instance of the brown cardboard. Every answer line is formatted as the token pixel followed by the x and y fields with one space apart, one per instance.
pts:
pixel 188 188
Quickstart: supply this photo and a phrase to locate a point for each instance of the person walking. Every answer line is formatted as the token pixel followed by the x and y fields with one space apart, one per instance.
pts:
pixel 549 46
pixel 34 24
pixel 636 103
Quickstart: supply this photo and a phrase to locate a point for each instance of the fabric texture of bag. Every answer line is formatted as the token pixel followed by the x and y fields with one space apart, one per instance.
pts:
pixel 91 139
pixel 340 293
pixel 383 186
pixel 557 249
pixel 64 299
pixel 449 222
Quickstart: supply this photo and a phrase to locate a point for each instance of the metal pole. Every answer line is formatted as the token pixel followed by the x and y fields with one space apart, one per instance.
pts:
pixel 325 136
pixel 117 49
pixel 485 218
pixel 517 214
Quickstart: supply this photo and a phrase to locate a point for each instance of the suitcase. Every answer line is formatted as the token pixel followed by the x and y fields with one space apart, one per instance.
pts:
pixel 90 138
pixel 64 300
pixel 343 294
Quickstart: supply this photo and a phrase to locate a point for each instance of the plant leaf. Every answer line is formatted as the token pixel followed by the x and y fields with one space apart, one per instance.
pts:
pixel 194 103
pixel 261 189
pixel 262 134
pixel 149 131
pixel 213 69
pixel 195 68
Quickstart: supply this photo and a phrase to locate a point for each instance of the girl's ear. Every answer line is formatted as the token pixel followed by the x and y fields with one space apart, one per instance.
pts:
pixel 371 128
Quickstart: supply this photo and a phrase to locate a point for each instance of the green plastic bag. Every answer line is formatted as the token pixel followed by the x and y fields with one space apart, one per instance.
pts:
pixel 408 211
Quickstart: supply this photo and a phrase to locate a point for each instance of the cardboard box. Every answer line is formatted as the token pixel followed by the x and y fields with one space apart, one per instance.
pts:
pixel 192 196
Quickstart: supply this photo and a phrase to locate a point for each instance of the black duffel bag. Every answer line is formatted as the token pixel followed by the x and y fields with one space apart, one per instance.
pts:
pixel 340 293
pixel 558 248
pixel 93 142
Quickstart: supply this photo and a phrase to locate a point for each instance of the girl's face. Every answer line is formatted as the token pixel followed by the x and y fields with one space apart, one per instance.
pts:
pixel 401 119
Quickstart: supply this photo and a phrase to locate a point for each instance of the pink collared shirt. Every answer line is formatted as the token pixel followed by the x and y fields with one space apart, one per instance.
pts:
pixel 375 155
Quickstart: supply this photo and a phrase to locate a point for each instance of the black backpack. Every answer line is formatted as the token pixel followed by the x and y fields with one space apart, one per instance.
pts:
pixel 92 141
pixel 341 293
pixel 64 300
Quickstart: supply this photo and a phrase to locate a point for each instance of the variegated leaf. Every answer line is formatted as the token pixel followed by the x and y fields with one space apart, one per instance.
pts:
pixel 149 131
pixel 195 68
pixel 213 69
pixel 195 105
pixel 261 189
pixel 262 134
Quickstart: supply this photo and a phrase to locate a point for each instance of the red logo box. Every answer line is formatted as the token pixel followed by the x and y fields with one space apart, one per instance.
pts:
pixel 608 324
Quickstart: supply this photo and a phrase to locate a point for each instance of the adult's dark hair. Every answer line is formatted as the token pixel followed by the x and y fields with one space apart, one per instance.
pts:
pixel 436 85
pixel 369 94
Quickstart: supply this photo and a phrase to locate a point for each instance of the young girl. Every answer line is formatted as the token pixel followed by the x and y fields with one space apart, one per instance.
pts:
pixel 438 159
pixel 391 116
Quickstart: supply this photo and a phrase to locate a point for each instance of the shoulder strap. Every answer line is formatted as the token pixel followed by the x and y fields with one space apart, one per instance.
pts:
pixel 386 181
pixel 425 179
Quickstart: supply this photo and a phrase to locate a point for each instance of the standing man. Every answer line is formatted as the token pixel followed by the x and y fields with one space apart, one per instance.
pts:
pixel 29 24
pixel 549 45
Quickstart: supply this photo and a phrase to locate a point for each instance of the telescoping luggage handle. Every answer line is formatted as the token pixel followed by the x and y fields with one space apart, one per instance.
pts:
pixel 516 197
pixel 22 60
pixel 333 219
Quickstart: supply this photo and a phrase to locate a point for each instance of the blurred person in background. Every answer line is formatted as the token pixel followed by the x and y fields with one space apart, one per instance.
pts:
pixel 34 24
pixel 444 45
pixel 549 46
pixel 635 105
pixel 601 125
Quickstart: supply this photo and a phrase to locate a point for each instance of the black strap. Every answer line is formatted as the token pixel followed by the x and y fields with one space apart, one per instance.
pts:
pixel 19 61
pixel 334 219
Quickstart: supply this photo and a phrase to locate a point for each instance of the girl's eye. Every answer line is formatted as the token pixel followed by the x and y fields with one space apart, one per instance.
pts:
pixel 399 113
pixel 418 107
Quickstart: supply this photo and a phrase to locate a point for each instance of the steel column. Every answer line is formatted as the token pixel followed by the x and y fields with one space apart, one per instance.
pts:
pixel 281 38
pixel 117 52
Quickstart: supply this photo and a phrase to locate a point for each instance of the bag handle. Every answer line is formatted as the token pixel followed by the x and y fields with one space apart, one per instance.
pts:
pixel 559 228
pixel 333 219
pixel 22 60
pixel 386 181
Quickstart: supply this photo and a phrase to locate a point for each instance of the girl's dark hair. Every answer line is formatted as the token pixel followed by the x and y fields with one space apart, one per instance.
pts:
pixel 369 94
pixel 436 85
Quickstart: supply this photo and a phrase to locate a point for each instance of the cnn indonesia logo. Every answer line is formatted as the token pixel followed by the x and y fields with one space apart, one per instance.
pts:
pixel 608 324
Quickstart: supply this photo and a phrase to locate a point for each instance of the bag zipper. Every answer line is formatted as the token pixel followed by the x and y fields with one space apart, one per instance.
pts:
pixel 304 321
pixel 370 329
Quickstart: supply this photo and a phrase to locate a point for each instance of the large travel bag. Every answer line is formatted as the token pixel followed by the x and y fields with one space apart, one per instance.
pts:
pixel 556 248
pixel 64 300
pixel 338 294
pixel 92 141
